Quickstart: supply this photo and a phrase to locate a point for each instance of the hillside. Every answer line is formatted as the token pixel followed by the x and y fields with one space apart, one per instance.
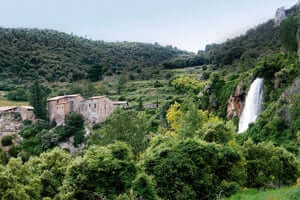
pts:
pixel 27 54
pixel 178 137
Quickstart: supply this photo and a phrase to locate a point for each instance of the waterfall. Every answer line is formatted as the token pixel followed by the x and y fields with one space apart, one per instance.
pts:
pixel 253 105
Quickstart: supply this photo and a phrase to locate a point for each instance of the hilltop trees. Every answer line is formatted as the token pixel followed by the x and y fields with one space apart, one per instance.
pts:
pixel 288 32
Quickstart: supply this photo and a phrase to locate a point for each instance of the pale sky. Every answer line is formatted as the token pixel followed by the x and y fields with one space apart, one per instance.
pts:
pixel 186 24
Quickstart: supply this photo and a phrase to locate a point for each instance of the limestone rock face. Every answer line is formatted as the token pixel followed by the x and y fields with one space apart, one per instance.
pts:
pixel 285 99
pixel 279 16
pixel 10 123
pixel 236 103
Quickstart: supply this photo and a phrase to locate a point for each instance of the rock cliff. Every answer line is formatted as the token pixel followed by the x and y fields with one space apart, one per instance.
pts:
pixel 279 16
pixel 236 103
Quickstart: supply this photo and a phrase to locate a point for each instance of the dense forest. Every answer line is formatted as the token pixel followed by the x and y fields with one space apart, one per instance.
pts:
pixel 186 147
pixel 27 54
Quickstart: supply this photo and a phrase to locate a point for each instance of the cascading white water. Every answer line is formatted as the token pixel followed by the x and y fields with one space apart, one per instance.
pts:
pixel 253 105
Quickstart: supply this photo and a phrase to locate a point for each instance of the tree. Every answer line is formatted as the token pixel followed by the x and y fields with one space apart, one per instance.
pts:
pixel 51 168
pixel 122 80
pixel 126 126
pixel 140 106
pixel 95 72
pixel 288 31
pixel 18 182
pixel 38 99
pixel 196 169
pixel 103 172
pixel 74 126
pixel 267 164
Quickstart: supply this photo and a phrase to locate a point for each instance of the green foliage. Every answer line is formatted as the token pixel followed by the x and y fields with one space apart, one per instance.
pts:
pixel 288 31
pixel 7 140
pixel 18 182
pixel 267 165
pixel 74 125
pixel 55 56
pixel 102 172
pixel 181 62
pixel 51 169
pixel 196 169
pixel 95 73
pixel 284 193
pixel 84 88
pixel 38 99
pixel 144 187
pixel 218 132
pixel 17 95
pixel 187 84
pixel 126 126
pixel 121 83
pixel 261 39
pixel 3 157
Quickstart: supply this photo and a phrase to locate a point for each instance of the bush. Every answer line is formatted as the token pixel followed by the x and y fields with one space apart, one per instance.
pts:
pixel 157 84
pixel 14 151
pixel 7 140
pixel 102 172
pixel 195 168
pixel 144 187
pixel 74 122
pixel 267 164
pixel 3 157
pixel 17 95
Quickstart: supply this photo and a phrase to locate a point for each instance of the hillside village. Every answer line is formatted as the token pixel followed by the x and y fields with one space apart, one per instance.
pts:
pixel 95 110
pixel 89 120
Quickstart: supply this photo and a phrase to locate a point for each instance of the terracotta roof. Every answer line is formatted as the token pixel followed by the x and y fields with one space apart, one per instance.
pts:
pixel 62 97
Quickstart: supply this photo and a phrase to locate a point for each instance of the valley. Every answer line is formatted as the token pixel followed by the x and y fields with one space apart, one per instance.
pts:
pixel 85 119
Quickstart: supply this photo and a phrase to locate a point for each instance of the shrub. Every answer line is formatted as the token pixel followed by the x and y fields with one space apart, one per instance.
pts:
pixel 102 172
pixel 144 187
pixel 7 140
pixel 267 164
pixel 195 168
pixel 74 122
pixel 14 151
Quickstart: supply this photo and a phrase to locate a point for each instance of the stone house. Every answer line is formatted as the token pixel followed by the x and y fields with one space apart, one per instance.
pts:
pixel 95 109
pixel 59 107
pixel 12 117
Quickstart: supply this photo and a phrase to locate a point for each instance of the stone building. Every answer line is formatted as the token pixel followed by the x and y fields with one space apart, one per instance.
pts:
pixel 12 117
pixel 59 107
pixel 95 109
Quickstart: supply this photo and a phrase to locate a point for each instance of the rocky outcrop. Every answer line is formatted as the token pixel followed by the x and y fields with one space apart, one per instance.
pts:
pixel 286 99
pixel 10 123
pixel 279 16
pixel 236 103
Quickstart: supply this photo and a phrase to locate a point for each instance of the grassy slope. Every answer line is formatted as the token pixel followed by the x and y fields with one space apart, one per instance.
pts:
pixel 133 90
pixel 286 193
pixel 145 88
pixel 5 102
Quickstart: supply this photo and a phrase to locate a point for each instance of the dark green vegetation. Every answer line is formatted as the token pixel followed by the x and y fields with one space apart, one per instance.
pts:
pixel 175 142
pixel 30 54
pixel 292 193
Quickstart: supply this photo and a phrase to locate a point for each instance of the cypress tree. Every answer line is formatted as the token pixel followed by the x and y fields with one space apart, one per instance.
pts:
pixel 38 100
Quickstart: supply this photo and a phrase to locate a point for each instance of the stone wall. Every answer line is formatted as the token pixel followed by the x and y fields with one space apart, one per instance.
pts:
pixel 10 123
pixel 96 110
